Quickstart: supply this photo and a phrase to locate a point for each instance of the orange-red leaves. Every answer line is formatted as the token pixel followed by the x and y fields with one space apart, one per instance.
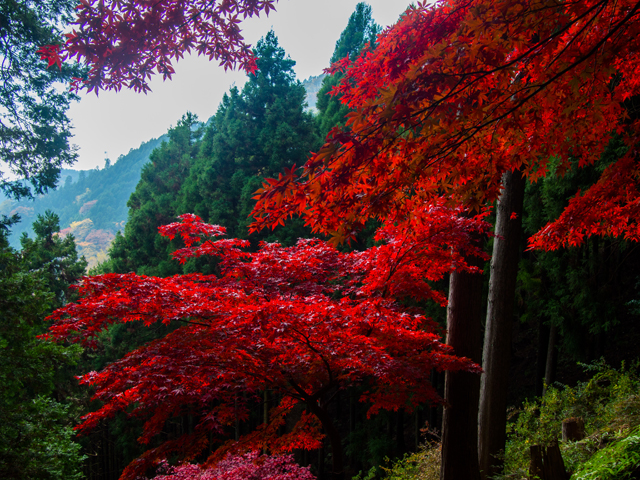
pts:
pixel 611 207
pixel 459 92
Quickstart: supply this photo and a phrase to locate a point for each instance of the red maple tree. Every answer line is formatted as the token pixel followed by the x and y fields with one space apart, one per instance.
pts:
pixel 124 43
pixel 457 93
pixel 463 99
pixel 300 322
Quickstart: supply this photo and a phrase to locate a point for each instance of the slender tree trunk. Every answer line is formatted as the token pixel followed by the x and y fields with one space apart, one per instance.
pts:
pixel 552 358
pixel 237 421
pixel 265 414
pixel 435 422
pixel 321 463
pixel 337 453
pixel 401 447
pixel 496 356
pixel 417 425
pixel 352 424
pixel 265 407
pixel 541 362
pixel 461 390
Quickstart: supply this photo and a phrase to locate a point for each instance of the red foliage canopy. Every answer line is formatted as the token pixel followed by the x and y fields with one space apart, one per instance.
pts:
pixel 459 92
pixel 300 321
pixel 124 42
pixel 455 94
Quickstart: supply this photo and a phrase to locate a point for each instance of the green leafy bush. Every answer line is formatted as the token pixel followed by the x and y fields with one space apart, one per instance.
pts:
pixel 609 404
pixel 618 461
pixel 422 465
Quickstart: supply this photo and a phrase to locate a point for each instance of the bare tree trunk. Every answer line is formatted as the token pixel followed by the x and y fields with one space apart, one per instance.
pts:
pixel 265 414
pixel 541 361
pixel 337 454
pixel 552 358
pixel 353 399
pixel 496 357
pixel 401 446
pixel 460 417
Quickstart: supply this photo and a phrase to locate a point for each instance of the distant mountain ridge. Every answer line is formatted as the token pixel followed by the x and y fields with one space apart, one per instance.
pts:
pixel 91 204
pixel 312 85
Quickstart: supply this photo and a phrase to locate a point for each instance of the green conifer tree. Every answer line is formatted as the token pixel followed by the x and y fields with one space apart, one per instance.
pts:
pixel 54 256
pixel 360 31
pixel 256 133
pixel 153 203
pixel 36 434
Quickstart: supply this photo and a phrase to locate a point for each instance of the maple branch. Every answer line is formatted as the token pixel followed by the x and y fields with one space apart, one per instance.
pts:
pixel 303 395
pixel 317 352
pixel 478 76
pixel 468 133
pixel 542 86
pixel 191 322
pixel 159 319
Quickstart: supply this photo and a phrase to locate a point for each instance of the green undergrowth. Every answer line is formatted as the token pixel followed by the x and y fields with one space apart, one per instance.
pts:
pixel 618 461
pixel 422 465
pixel 609 404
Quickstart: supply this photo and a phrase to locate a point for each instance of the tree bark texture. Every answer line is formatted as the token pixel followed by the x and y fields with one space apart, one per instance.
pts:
pixel 459 420
pixel 552 358
pixel 337 453
pixel 573 429
pixel 496 356
pixel 546 463
pixel 541 361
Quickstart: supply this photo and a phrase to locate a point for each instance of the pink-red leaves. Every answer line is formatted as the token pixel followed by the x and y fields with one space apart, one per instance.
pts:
pixel 251 466
pixel 51 53
pixel 125 42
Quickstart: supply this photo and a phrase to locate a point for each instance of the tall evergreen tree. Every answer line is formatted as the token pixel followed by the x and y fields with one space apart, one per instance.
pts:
pixel 55 257
pixel 360 31
pixel 35 430
pixel 34 128
pixel 256 133
pixel 152 204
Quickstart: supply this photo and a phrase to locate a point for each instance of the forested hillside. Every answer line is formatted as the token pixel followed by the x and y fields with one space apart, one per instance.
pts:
pixel 431 275
pixel 212 170
pixel 90 204
pixel 312 87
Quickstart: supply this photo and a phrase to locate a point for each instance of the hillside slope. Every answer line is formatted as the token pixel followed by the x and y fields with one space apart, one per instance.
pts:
pixel 95 201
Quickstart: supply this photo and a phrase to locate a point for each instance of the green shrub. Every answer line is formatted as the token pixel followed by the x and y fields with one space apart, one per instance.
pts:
pixel 618 461
pixel 422 465
pixel 609 404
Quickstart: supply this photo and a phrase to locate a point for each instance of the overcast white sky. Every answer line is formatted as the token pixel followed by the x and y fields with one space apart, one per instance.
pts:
pixel 110 125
